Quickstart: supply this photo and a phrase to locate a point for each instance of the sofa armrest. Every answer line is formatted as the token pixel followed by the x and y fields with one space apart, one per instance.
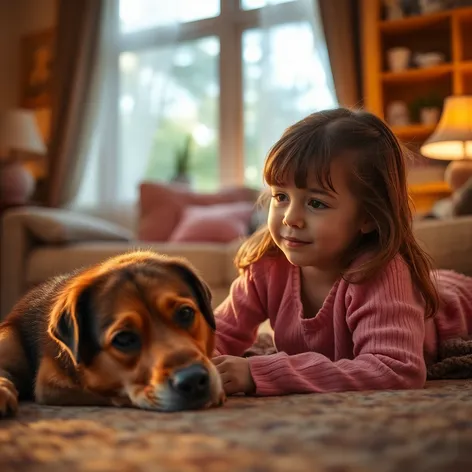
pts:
pixel 448 241
pixel 16 242
pixel 27 227
pixel 57 226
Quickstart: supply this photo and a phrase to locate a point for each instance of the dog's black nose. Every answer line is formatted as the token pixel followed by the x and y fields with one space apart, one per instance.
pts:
pixel 192 381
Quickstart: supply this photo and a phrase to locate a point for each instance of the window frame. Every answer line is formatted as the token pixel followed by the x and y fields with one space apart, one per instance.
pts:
pixel 229 27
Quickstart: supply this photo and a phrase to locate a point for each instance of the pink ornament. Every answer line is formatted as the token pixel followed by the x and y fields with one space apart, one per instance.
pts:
pixel 16 184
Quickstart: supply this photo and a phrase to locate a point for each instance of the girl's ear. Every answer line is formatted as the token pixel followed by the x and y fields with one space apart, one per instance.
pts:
pixel 368 225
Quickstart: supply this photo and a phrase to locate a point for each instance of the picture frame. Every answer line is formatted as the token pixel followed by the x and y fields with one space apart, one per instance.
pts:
pixel 36 63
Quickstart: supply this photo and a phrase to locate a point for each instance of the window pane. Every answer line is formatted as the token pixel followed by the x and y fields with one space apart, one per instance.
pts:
pixel 283 82
pixel 167 95
pixel 136 15
pixel 252 4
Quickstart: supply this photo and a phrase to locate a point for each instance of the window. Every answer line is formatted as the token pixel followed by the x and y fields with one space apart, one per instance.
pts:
pixel 251 4
pixel 225 77
pixel 296 85
pixel 168 94
pixel 138 15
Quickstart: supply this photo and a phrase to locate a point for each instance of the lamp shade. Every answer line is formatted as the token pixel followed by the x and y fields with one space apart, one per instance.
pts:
pixel 452 138
pixel 19 132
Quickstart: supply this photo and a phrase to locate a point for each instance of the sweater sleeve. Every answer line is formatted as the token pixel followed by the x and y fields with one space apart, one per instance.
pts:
pixel 387 326
pixel 239 316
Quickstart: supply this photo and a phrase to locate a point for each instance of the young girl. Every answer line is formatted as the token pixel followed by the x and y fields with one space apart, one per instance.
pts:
pixel 348 291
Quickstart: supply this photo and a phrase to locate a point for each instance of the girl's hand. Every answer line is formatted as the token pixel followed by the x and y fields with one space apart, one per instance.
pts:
pixel 235 374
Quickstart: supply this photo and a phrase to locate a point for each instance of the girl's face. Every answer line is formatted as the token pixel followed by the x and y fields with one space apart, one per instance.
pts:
pixel 314 226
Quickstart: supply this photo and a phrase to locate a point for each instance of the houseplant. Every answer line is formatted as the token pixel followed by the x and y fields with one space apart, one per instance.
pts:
pixel 182 163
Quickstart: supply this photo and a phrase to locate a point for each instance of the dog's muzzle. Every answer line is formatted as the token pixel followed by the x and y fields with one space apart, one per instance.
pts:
pixel 193 387
pixel 190 386
pixel 192 382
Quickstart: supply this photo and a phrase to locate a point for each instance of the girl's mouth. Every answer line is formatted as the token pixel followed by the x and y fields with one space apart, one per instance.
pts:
pixel 294 242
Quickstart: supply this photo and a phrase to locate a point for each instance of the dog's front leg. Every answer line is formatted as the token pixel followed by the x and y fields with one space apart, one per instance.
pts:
pixel 15 372
pixel 55 387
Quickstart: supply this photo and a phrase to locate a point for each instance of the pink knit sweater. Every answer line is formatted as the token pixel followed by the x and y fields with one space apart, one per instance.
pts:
pixel 367 336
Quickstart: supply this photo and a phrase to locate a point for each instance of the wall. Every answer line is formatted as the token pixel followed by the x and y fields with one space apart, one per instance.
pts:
pixel 7 52
pixel 17 18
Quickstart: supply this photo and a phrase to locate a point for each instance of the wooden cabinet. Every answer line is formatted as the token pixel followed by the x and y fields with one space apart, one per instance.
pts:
pixel 448 32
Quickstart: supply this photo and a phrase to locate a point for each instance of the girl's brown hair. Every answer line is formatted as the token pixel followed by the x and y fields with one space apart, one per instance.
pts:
pixel 378 179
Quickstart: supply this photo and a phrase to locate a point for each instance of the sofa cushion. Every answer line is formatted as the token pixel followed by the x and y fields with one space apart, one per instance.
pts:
pixel 221 223
pixel 162 206
pixel 124 214
pixel 49 261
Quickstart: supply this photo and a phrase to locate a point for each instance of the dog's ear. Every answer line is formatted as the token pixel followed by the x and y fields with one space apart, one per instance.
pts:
pixel 200 289
pixel 72 325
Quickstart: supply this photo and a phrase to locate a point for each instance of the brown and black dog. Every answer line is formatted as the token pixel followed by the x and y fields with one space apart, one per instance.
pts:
pixel 136 330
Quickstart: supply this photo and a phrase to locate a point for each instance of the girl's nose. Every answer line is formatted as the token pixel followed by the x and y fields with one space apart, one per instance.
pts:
pixel 294 217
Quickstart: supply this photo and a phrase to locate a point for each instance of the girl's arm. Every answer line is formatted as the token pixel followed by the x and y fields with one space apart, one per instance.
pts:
pixel 387 325
pixel 239 316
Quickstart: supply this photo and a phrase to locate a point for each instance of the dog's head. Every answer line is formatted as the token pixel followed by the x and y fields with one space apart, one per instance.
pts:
pixel 141 326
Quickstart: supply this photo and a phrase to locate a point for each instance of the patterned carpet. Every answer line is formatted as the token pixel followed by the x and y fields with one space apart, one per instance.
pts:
pixel 425 430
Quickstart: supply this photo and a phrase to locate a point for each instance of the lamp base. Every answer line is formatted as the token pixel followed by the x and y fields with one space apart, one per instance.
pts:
pixel 458 173
pixel 16 184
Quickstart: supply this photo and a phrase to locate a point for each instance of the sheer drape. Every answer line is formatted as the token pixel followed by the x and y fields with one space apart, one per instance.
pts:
pixel 73 96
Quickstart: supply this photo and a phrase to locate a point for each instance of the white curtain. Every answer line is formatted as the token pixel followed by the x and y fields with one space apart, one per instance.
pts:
pixel 286 75
pixel 287 79
pixel 126 120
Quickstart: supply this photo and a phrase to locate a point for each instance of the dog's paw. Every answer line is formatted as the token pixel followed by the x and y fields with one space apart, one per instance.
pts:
pixel 221 400
pixel 121 402
pixel 8 398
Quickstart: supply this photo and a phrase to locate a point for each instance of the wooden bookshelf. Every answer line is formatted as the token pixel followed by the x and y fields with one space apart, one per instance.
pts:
pixel 448 32
pixel 425 195
pixel 416 132
pixel 413 22
pixel 418 75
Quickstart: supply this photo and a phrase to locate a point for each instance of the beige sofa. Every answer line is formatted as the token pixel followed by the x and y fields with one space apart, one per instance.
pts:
pixel 38 243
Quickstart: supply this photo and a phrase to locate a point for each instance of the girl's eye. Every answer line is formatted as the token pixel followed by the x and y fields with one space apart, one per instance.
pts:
pixel 317 205
pixel 280 197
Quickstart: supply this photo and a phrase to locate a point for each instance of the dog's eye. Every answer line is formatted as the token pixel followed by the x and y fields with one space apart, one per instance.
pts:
pixel 126 341
pixel 184 316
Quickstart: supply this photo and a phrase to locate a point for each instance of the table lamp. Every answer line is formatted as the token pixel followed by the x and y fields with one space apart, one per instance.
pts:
pixel 20 142
pixel 452 140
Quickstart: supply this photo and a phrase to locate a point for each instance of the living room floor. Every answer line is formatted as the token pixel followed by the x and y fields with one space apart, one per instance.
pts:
pixel 421 430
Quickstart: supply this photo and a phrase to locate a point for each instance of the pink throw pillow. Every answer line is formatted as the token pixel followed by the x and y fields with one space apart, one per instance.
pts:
pixel 221 223
pixel 162 206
